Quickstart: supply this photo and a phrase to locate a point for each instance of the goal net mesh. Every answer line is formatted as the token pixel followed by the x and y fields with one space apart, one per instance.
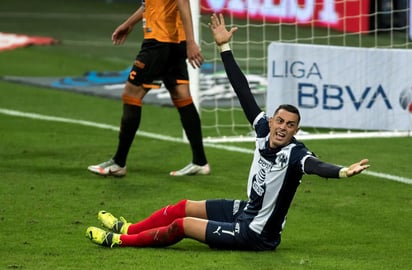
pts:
pixel 350 23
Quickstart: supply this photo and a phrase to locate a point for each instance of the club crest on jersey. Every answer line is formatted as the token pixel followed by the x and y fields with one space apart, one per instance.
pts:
pixel 281 161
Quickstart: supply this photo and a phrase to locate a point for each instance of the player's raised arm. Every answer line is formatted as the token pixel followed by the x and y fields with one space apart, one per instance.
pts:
pixel 236 77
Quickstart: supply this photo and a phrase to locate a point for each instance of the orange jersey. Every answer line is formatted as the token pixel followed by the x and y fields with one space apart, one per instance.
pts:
pixel 161 21
pixel 180 28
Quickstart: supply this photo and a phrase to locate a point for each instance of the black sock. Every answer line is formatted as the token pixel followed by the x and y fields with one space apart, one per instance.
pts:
pixel 128 127
pixel 191 124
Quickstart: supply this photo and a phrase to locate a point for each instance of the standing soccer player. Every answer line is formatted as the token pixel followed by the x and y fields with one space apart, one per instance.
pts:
pixel 279 162
pixel 168 42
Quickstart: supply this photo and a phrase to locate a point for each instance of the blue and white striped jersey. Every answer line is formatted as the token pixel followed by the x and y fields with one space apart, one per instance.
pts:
pixel 273 179
pixel 275 174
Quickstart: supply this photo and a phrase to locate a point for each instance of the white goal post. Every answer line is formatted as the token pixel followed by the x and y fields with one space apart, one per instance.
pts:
pixel 344 23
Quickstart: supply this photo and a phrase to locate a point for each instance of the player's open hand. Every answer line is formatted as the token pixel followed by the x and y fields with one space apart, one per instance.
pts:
pixel 194 55
pixel 120 34
pixel 357 167
pixel 218 27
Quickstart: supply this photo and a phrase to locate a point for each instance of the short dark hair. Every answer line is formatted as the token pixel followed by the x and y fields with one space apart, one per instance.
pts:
pixel 289 108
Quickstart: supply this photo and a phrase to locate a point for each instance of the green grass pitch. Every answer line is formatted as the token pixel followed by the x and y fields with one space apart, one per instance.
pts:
pixel 48 199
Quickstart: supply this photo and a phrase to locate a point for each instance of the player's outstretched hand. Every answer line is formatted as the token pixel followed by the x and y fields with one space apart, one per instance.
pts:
pixel 218 27
pixel 357 167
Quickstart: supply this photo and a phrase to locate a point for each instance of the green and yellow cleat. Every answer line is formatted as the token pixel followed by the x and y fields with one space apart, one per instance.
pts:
pixel 101 237
pixel 113 223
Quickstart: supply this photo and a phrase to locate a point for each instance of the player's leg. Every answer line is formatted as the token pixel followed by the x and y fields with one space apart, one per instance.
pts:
pixel 177 83
pixel 224 210
pixel 217 210
pixel 132 109
pixel 156 237
pixel 214 221
pixel 227 234
pixel 224 230
pixel 164 227
pixel 141 78
pixel 180 228
pixel 132 112
pixel 191 124
pixel 159 218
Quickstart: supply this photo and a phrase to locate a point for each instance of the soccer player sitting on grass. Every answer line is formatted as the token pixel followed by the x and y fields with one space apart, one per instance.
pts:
pixel 278 165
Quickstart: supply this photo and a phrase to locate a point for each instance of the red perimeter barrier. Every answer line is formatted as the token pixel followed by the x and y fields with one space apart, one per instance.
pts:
pixel 342 15
pixel 10 41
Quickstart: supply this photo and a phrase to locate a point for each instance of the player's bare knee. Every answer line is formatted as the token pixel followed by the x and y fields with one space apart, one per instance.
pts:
pixel 196 209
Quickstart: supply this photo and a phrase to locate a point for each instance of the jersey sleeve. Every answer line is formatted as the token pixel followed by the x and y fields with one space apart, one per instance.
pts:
pixel 241 86
pixel 261 125
pixel 312 165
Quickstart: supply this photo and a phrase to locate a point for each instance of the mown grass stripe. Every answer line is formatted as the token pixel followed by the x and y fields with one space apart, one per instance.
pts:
pixel 169 138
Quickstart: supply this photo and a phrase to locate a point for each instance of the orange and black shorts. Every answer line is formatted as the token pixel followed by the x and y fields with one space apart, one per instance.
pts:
pixel 159 62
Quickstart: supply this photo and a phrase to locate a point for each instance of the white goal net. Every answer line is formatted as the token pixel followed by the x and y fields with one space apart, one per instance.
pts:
pixel 350 24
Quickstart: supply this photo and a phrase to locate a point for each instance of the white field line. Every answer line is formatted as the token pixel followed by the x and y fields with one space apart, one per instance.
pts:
pixel 169 138
pixel 64 16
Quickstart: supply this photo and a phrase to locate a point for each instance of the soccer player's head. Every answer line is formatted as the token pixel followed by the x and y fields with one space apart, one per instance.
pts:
pixel 284 124
pixel 289 108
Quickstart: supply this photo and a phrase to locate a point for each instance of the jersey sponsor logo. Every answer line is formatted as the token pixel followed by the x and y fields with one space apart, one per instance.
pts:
pixel 264 164
pixel 257 188
pixel 259 182
pixel 261 176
